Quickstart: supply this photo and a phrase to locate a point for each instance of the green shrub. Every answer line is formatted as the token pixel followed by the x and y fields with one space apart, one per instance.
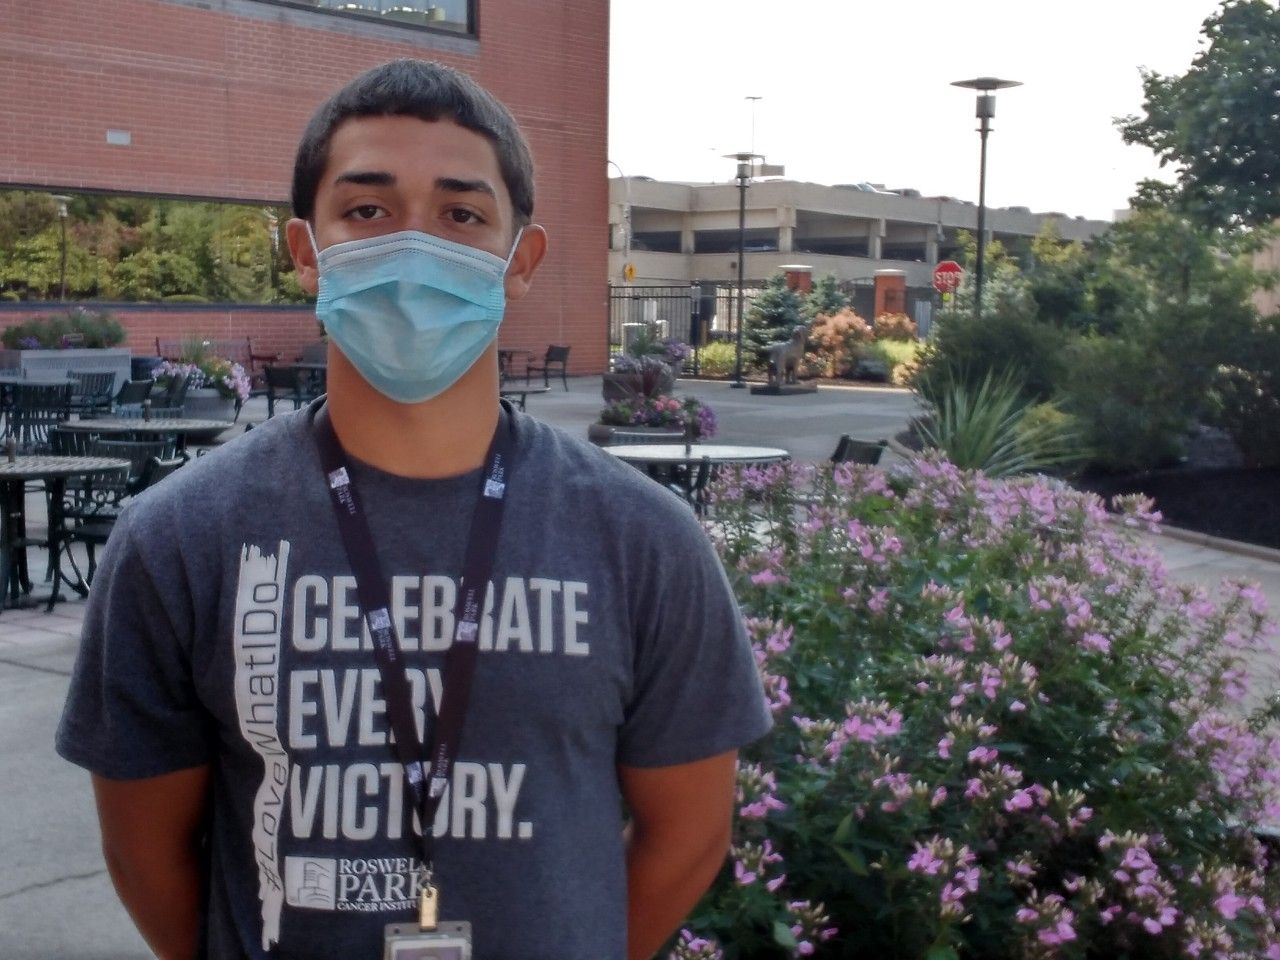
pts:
pixel 184 298
pixel 1000 734
pixel 84 328
pixel 1134 409
pixel 717 359
pixel 1008 340
pixel 989 428
pixel 1245 396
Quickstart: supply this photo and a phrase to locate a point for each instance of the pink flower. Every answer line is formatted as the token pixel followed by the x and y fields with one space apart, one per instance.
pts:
pixel 983 755
pixel 1229 904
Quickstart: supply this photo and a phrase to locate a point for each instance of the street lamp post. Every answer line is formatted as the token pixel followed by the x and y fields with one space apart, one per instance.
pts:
pixel 745 164
pixel 626 219
pixel 62 269
pixel 986 111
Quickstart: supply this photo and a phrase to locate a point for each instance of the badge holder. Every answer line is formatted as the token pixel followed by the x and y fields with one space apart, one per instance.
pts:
pixel 428 939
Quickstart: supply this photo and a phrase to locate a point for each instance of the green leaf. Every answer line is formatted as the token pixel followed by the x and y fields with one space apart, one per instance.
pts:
pixel 783 936
pixel 853 860
pixel 845 830
pixel 941 951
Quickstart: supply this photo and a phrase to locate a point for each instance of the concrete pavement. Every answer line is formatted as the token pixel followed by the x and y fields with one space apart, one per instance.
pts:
pixel 56 901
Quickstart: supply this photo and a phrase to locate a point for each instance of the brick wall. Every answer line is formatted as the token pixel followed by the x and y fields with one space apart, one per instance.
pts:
pixel 214 94
pixel 282 330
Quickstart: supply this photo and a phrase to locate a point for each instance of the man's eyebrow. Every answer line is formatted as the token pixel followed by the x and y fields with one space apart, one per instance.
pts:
pixel 454 185
pixel 367 178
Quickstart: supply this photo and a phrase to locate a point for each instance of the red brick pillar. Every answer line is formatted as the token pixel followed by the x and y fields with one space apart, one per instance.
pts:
pixel 891 292
pixel 799 278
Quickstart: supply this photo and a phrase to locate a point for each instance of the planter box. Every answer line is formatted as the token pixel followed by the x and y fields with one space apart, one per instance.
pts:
pixel 206 403
pixel 59 363
pixel 601 434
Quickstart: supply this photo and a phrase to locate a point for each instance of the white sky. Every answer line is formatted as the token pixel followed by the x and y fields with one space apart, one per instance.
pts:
pixel 857 90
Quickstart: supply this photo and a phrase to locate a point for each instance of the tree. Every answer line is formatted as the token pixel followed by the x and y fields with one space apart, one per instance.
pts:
pixel 772 315
pixel 1218 121
pixel 826 297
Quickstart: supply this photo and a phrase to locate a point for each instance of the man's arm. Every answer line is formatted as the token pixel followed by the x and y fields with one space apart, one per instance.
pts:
pixel 681 818
pixel 151 838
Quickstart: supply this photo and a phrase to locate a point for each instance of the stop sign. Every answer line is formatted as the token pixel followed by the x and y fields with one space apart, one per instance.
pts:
pixel 946 276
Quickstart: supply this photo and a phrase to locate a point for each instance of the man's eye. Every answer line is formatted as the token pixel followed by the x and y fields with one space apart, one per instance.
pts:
pixel 460 215
pixel 366 211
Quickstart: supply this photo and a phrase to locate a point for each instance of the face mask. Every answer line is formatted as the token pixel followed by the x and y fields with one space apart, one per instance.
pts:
pixel 412 312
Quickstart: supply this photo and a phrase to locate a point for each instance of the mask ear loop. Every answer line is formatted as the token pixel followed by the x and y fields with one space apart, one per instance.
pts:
pixel 512 252
pixel 315 248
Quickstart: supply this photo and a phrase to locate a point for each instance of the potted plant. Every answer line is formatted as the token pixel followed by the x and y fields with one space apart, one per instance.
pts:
pixel 56 344
pixel 662 415
pixel 648 367
pixel 216 386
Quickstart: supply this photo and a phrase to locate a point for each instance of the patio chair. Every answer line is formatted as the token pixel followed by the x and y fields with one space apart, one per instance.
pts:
pixel 554 357
pixel 168 402
pixel 849 450
pixel 138 453
pixel 620 437
pixel 35 409
pixel 90 513
pixel 283 383
pixel 129 400
pixel 93 393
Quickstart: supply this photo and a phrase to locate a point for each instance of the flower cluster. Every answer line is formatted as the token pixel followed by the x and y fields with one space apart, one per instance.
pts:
pixel 228 378
pixel 1000 729
pixel 690 414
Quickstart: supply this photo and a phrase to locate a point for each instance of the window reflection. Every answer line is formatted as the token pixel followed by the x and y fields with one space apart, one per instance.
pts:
pixel 441 14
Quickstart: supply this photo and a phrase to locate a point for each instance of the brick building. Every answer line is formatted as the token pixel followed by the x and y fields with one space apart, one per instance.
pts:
pixel 207 98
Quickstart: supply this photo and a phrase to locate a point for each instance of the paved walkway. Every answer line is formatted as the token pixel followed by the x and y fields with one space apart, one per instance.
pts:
pixel 55 897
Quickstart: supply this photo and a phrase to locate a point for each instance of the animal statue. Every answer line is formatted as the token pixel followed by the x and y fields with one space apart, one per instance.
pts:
pixel 785 357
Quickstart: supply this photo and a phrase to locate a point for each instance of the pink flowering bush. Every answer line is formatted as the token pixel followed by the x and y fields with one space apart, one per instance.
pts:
pixel 1001 730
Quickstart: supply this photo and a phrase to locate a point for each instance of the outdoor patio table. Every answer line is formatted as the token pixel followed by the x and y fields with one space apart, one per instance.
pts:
pixel 675 465
pixel 180 428
pixel 15 578
pixel 660 454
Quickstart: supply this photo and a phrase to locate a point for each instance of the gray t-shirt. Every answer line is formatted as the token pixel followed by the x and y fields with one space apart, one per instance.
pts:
pixel 223 629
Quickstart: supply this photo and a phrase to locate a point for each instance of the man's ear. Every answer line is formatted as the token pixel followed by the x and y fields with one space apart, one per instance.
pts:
pixel 524 262
pixel 303 254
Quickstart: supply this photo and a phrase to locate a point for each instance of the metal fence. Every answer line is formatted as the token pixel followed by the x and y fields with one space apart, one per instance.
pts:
pixel 705 312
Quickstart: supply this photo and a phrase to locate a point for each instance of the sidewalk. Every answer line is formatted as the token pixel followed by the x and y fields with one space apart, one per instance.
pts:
pixel 56 900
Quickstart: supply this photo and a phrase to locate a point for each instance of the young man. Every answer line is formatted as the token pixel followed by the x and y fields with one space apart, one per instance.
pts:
pixel 274 631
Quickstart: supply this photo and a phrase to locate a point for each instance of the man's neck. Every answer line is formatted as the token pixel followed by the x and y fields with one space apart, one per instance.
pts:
pixel 446 436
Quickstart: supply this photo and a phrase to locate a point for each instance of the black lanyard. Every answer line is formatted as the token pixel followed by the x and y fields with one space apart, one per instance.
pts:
pixel 375 605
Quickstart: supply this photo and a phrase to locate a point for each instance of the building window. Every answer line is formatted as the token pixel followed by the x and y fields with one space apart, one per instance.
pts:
pixel 726 241
pixel 657 241
pixel 456 16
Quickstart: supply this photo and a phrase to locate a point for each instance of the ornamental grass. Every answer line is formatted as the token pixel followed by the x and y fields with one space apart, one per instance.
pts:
pixel 1001 730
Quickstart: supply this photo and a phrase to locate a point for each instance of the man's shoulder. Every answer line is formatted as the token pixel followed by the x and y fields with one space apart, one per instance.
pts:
pixel 267 458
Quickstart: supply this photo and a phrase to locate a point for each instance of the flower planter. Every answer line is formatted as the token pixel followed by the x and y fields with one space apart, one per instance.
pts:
pixel 601 434
pixel 206 403
pixel 628 386
pixel 59 363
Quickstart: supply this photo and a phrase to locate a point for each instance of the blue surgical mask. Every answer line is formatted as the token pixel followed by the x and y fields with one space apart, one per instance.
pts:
pixel 412 312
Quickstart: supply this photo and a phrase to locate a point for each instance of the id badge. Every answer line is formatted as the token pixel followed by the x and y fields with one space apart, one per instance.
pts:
pixel 408 941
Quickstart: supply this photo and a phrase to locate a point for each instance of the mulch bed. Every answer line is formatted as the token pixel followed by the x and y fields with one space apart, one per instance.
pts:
pixel 1236 503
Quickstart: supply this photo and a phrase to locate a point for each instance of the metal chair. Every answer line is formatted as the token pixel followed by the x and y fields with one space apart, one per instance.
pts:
pixel 93 393
pixel 169 402
pixel 35 409
pixel 138 453
pixel 283 383
pixel 555 356
pixel 132 395
pixel 849 450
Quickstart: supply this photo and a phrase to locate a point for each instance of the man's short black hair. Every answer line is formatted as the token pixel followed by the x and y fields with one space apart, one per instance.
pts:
pixel 429 91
